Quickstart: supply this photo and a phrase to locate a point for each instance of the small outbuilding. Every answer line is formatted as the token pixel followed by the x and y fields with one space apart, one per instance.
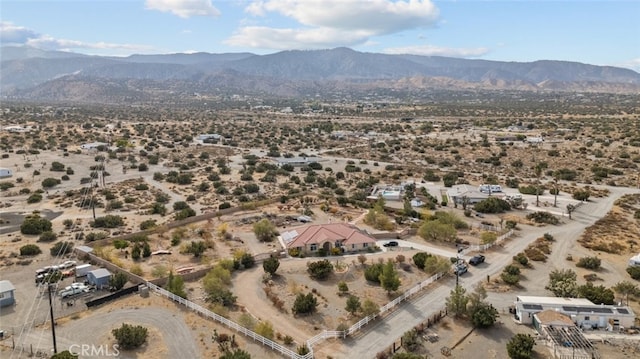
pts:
pixel 5 172
pixel 99 277
pixel 7 296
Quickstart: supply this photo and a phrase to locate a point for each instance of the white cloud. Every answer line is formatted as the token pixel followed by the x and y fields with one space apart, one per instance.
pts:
pixel 330 23
pixel 428 50
pixel 11 34
pixel 184 8
pixel 633 64
pixel 287 39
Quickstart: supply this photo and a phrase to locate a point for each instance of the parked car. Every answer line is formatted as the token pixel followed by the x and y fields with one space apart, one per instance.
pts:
pixel 391 244
pixel 475 260
pixel 460 268
pixel 73 290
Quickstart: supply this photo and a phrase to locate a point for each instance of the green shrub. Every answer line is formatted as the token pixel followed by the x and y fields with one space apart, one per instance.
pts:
pixel 592 263
pixel 47 236
pixel 130 336
pixel 34 224
pixel 61 248
pixel 30 250
pixel 634 272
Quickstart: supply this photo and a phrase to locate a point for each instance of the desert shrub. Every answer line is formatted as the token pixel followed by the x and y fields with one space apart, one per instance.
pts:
pixel 581 195
pixel 535 254
pixel 521 258
pixel 543 217
pixel 6 185
pixel 30 250
pixel 634 272
pixel 130 336
pixel 47 236
pixel 50 182
pixel 372 273
pixel 34 198
pixel 265 329
pixel 61 248
pixel 492 205
pixel 420 258
pixel 320 270
pixel 34 224
pixel 592 263
pixel 108 221
pixel 305 304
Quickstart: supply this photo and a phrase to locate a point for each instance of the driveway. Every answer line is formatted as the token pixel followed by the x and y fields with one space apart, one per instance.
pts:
pixel 382 333
pixel 93 329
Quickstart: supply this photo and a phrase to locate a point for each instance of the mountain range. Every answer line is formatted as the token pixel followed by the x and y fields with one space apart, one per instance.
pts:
pixel 33 74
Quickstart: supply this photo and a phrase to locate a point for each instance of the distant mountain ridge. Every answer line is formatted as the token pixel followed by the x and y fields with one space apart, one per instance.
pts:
pixel 28 73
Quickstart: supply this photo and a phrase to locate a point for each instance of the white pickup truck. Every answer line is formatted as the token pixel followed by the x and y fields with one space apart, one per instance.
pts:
pixel 73 290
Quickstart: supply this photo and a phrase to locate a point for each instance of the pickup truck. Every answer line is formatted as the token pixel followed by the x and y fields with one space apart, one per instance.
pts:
pixel 73 290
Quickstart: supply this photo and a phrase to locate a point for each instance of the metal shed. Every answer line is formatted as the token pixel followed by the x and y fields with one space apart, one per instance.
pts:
pixel 99 277
pixel 7 296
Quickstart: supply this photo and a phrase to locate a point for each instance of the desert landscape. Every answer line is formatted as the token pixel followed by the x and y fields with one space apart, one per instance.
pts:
pixel 200 202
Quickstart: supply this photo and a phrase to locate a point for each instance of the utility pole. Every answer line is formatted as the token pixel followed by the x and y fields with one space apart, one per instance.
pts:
pixel 53 323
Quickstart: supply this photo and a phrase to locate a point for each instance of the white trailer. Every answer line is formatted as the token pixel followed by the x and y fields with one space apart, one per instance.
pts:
pixel 82 270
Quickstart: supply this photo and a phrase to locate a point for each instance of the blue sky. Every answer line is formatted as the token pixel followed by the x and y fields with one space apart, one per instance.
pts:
pixel 596 32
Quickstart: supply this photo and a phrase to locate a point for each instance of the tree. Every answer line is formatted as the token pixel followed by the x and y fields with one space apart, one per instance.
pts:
pixel 264 230
pixel 320 270
pixel 135 252
pixel 146 249
pixel 130 336
pixel 597 294
pixel 353 304
pixel 175 285
pixel 389 279
pixel 369 308
pixel 61 248
pixel 488 237
pixel 520 346
pixel 373 272
pixel 625 288
pixel 581 195
pixel 563 283
pixel 457 301
pixel 570 209
pixel 120 244
pixel 492 205
pixel 538 171
pixel 420 258
pixel 34 224
pixel 437 231
pixel 305 304
pixel 118 280
pixel 484 315
pixel 270 265
pixel 47 236
pixel 634 272
pixel 196 248
pixel 343 287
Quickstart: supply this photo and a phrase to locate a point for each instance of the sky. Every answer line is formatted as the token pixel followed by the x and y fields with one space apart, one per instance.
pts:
pixel 598 32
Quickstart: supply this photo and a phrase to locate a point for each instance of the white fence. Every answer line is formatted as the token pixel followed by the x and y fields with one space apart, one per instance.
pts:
pixel 325 334
pixel 484 247
pixel 231 325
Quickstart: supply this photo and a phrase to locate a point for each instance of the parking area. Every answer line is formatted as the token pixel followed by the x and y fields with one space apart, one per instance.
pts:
pixel 32 300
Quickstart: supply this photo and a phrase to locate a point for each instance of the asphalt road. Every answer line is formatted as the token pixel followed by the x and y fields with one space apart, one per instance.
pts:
pixel 382 333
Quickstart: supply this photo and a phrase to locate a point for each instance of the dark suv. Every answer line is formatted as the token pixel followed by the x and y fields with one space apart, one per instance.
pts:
pixel 391 244
pixel 475 260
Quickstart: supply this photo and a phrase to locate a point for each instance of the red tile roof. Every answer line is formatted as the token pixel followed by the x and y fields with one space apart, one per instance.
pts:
pixel 344 233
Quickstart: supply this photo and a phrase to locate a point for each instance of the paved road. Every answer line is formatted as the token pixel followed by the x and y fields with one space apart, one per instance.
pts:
pixel 176 335
pixel 382 333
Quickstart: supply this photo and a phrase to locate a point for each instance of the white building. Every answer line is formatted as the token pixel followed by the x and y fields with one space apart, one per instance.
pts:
pixel 209 136
pixel 458 193
pixel 93 145
pixel 5 172
pixel 634 261
pixel 582 312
